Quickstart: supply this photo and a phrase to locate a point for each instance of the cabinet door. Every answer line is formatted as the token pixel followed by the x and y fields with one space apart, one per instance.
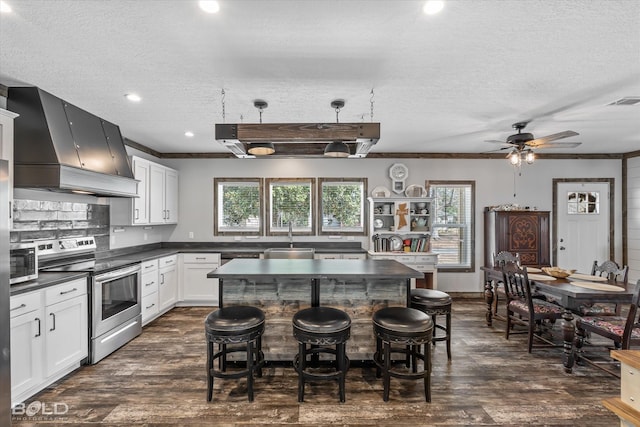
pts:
pixel 168 287
pixel 27 332
pixel 196 287
pixel 141 204
pixel 156 194
pixel 171 196
pixel 66 334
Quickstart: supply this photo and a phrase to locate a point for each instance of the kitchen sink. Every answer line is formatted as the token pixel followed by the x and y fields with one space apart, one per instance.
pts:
pixel 289 253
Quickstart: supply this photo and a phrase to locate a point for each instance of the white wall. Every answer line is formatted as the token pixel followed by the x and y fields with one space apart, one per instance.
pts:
pixel 494 185
pixel 633 218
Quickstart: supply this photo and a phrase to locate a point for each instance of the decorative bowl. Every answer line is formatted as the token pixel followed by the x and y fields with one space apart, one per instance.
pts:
pixel 558 272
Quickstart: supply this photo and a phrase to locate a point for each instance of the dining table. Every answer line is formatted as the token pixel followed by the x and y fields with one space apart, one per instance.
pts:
pixel 570 293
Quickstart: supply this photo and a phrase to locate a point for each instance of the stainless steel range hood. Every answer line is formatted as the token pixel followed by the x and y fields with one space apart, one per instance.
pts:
pixel 60 147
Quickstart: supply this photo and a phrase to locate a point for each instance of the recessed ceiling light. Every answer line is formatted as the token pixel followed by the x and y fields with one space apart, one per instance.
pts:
pixel 209 6
pixel 431 7
pixel 4 7
pixel 133 97
pixel 188 134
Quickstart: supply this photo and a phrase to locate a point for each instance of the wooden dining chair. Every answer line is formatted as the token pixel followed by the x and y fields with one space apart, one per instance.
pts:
pixel 499 261
pixel 616 276
pixel 623 330
pixel 525 310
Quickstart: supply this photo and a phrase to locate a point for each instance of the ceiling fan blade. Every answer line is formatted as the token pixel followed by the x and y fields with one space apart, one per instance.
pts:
pixel 495 141
pixel 581 98
pixel 558 145
pixel 553 137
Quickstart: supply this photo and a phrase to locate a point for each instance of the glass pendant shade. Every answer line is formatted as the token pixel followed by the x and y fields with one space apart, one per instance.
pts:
pixel 261 148
pixel 514 158
pixel 530 157
pixel 337 149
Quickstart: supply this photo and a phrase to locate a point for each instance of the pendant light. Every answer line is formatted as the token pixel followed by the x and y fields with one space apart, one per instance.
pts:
pixel 337 148
pixel 261 148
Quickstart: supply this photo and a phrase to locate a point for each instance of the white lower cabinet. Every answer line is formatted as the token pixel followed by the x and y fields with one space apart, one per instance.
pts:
pixel 49 336
pixel 195 287
pixel 168 283
pixel 149 283
pixel 159 282
pixel 426 262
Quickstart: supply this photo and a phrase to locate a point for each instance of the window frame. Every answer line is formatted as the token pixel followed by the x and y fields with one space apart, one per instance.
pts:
pixel 472 222
pixel 216 213
pixel 312 208
pixel 364 207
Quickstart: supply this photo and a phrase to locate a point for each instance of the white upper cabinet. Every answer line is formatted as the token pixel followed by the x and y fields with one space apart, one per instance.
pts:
pixel 157 201
pixel 163 195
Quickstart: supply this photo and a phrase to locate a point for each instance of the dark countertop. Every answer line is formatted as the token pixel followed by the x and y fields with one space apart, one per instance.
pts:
pixel 45 280
pixel 158 250
pixel 314 269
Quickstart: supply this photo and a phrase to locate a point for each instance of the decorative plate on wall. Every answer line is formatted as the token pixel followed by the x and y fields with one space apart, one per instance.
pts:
pixel 415 191
pixel 380 192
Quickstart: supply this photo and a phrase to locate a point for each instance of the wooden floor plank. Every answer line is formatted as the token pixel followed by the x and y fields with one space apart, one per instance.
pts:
pixel 159 379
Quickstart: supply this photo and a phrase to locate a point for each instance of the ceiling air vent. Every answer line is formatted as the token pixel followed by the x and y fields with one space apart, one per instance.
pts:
pixel 627 100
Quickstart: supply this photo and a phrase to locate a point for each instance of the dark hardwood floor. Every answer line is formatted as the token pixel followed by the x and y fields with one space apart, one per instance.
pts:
pixel 159 379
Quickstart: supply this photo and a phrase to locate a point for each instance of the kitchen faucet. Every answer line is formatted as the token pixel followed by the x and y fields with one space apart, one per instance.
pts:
pixel 290 234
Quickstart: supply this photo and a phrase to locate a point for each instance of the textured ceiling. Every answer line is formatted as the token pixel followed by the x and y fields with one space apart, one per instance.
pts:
pixel 443 83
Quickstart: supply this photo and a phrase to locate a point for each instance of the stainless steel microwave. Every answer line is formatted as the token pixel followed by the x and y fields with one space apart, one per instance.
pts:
pixel 23 262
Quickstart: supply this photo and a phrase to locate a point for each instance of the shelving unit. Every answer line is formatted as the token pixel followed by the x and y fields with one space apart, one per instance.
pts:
pixel 400 229
pixel 627 406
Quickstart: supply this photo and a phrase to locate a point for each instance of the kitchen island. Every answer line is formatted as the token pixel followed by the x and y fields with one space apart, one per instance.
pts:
pixel 280 287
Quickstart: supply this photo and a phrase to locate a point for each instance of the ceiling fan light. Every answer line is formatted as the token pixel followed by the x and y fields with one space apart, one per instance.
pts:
pixel 530 157
pixel 514 158
pixel 337 149
pixel 261 148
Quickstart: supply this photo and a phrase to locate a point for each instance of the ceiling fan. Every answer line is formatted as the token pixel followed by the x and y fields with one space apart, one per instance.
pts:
pixel 525 141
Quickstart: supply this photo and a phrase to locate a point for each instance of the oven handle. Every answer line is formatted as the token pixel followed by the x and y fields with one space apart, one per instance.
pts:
pixel 118 273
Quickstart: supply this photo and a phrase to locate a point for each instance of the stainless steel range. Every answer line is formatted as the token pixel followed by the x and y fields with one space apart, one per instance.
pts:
pixel 114 291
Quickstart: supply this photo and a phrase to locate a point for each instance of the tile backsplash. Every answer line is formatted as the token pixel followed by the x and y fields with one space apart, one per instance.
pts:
pixel 37 219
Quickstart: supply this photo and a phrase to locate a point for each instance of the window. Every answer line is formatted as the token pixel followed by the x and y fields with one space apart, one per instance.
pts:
pixel 238 206
pixel 342 205
pixel 290 200
pixel 452 230
pixel 583 203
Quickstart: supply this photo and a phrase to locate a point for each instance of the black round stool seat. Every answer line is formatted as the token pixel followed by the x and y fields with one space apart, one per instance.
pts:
pixel 403 330
pixel 234 321
pixel 434 303
pixel 235 329
pixel 321 328
pixel 430 297
pixel 317 325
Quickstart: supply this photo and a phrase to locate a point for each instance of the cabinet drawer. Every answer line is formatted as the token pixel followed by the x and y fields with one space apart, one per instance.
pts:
pixel 149 306
pixel 328 256
pixel 201 258
pixel 354 256
pixel 149 265
pixel 167 261
pixel 149 283
pixel 65 291
pixel 21 304
pixel 630 386
pixel 423 267
pixel 425 259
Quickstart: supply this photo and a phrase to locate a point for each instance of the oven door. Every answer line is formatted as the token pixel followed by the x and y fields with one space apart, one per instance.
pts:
pixel 116 299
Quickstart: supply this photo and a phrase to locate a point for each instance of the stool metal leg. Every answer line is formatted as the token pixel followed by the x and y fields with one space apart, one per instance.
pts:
pixel 250 369
pixel 209 368
pixel 340 355
pixel 302 359
pixel 379 353
pixel 448 336
pixel 427 371
pixel 387 367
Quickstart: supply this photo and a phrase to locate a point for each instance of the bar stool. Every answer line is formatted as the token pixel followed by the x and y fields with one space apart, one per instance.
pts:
pixel 321 328
pixel 232 326
pixel 408 329
pixel 433 303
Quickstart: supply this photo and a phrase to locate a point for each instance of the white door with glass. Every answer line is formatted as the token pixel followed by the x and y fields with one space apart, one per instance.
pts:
pixel 583 224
